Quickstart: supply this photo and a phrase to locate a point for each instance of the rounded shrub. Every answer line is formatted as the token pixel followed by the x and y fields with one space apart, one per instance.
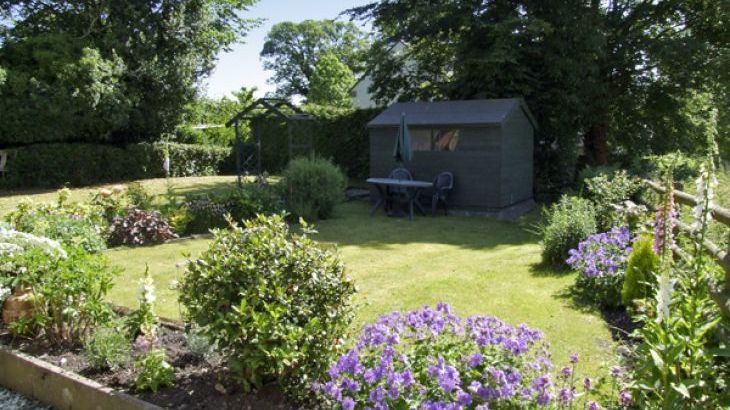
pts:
pixel 642 265
pixel 313 187
pixel 566 223
pixel 275 304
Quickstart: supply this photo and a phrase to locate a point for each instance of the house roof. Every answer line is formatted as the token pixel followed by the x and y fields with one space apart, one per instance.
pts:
pixel 461 112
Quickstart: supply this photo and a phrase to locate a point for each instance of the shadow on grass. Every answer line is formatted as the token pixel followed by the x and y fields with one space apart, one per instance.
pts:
pixel 352 225
pixel 544 269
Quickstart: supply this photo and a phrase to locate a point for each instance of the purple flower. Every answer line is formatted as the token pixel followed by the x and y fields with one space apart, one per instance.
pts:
pixel 566 371
pixel 377 396
pixel 624 398
pixel 566 395
pixel 592 405
pixel 587 384
pixel 464 398
pixel 475 359
pixel 601 255
pixel 574 358
pixel 348 403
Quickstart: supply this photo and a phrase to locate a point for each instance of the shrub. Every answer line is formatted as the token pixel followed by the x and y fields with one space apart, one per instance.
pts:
pixel 567 222
pixel 607 191
pixel 140 227
pixel 108 348
pixel 74 224
pixel 68 293
pixel 275 304
pixel 601 263
pixel 138 196
pixel 153 371
pixel 204 214
pixel 251 200
pixel 314 186
pixel 642 265
pixel 433 359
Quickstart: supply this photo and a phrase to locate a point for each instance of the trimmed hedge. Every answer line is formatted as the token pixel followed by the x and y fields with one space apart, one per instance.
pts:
pixel 55 165
pixel 338 134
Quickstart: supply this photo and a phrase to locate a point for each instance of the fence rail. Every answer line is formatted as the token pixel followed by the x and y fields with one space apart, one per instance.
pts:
pixel 721 293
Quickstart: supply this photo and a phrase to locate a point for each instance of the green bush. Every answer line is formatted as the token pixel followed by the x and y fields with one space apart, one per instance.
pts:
pixel 276 305
pixel 313 187
pixel 108 348
pixel 565 224
pixel 607 191
pixel 250 200
pixel 69 293
pixel 204 214
pixel 138 196
pixel 643 264
pixel 54 165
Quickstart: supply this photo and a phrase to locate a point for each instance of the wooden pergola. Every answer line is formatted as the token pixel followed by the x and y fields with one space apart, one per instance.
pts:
pixel 259 109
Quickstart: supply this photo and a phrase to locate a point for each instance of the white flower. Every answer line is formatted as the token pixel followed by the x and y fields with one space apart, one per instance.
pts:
pixel 147 290
pixel 12 241
pixel 4 293
pixel 664 297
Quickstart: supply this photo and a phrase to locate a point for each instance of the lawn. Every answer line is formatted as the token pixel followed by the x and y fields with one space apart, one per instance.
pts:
pixel 478 265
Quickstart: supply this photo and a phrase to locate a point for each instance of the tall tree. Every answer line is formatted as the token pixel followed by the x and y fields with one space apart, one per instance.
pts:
pixel 292 50
pixel 165 47
pixel 611 71
pixel 331 82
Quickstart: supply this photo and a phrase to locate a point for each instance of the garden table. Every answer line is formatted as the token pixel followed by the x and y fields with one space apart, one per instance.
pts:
pixel 412 188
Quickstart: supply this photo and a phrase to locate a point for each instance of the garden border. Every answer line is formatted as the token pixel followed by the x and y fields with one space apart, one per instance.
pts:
pixel 62 389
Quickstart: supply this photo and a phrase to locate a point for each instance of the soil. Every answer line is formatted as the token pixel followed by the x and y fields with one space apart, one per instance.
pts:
pixel 200 382
pixel 621 324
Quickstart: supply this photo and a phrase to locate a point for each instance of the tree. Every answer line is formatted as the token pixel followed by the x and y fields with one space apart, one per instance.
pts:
pixel 331 82
pixel 165 47
pixel 291 51
pixel 209 111
pixel 621 74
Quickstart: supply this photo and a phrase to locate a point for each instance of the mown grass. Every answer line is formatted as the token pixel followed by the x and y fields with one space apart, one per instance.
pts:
pixel 478 265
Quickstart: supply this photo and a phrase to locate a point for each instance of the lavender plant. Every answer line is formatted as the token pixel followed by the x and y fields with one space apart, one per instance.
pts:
pixel 601 261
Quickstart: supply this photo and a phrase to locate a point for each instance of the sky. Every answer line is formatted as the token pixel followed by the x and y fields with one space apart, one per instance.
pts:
pixel 242 66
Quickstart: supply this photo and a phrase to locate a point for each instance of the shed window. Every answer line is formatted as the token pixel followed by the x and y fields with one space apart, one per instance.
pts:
pixel 430 139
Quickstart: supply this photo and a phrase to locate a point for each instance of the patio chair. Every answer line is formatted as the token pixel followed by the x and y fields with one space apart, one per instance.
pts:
pixel 398 195
pixel 442 185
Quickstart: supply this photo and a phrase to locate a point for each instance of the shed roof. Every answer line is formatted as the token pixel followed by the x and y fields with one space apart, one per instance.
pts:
pixel 460 112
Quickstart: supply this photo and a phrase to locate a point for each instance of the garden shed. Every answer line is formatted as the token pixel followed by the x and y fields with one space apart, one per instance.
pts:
pixel 486 144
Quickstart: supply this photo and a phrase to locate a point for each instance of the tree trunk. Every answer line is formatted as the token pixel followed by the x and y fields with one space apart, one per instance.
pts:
pixel 596 143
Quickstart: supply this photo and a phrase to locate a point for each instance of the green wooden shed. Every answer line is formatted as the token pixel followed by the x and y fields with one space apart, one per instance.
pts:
pixel 486 144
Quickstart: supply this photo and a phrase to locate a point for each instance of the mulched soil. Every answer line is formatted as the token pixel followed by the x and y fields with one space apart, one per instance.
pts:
pixel 201 383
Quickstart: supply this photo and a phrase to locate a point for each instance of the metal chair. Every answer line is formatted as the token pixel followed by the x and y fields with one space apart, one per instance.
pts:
pixel 397 195
pixel 442 185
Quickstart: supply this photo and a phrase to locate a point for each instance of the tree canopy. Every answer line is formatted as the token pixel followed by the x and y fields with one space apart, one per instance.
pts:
pixel 292 50
pixel 116 71
pixel 623 76
pixel 331 82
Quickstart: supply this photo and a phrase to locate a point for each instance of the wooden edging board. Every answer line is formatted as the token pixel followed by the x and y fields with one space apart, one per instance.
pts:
pixel 59 388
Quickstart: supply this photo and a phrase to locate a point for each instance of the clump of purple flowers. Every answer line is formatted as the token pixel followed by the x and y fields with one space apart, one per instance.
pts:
pixel 601 260
pixel 603 254
pixel 433 359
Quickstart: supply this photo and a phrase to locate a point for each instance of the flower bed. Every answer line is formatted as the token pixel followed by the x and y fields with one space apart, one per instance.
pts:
pixel 201 382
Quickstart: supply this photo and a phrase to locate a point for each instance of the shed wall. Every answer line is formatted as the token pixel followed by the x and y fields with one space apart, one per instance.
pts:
pixel 516 174
pixel 475 164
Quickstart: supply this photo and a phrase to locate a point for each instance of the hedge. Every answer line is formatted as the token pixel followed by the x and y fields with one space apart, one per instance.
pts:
pixel 339 135
pixel 59 164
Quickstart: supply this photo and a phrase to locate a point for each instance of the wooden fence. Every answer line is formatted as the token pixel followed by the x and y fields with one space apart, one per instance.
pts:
pixel 721 292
